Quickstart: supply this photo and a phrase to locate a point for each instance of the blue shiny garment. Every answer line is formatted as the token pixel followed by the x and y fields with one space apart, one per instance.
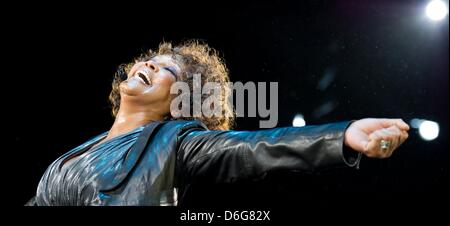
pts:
pixel 162 163
pixel 77 179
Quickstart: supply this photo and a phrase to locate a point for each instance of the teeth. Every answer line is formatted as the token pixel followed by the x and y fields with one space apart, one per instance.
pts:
pixel 143 75
pixel 142 72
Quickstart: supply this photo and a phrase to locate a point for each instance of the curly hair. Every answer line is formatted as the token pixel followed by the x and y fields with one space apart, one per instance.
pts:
pixel 194 57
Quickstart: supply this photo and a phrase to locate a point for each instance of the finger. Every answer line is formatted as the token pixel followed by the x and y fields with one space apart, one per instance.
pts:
pixel 405 134
pixel 403 137
pixel 398 122
pixel 392 131
pixel 394 145
pixel 381 134
pixel 371 149
pixel 374 147
pixel 396 138
pixel 391 135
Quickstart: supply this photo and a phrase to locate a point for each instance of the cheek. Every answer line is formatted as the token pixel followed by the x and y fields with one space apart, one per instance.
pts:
pixel 164 84
pixel 166 81
pixel 134 68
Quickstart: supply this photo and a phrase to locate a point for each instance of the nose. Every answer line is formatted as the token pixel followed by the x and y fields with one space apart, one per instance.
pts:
pixel 152 66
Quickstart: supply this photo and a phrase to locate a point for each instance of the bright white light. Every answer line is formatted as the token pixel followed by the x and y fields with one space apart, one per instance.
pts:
pixel 436 10
pixel 429 130
pixel 298 121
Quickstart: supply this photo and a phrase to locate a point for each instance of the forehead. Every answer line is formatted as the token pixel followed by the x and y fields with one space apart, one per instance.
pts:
pixel 167 60
pixel 164 59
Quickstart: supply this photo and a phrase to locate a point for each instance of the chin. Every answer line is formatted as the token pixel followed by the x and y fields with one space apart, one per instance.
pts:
pixel 139 96
pixel 133 88
pixel 126 90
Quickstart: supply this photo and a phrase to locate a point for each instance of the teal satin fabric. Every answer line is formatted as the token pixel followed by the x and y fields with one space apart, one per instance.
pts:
pixel 76 182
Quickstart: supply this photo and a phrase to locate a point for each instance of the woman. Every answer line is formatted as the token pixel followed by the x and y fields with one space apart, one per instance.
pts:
pixel 150 158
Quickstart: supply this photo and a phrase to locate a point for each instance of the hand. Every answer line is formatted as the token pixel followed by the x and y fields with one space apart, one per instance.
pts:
pixel 365 136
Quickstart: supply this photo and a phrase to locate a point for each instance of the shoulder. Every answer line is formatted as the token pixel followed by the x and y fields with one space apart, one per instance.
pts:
pixel 182 126
pixel 169 134
pixel 177 129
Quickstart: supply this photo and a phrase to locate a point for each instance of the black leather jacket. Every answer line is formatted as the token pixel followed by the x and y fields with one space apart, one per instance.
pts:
pixel 167 158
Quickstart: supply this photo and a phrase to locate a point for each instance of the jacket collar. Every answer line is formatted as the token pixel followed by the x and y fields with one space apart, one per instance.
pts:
pixel 132 158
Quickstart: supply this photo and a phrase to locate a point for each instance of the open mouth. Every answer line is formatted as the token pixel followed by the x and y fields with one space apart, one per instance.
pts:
pixel 143 76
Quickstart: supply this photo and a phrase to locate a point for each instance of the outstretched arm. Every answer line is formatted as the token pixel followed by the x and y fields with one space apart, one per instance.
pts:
pixel 227 156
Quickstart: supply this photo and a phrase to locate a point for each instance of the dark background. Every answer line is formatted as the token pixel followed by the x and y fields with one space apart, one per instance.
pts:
pixel 382 58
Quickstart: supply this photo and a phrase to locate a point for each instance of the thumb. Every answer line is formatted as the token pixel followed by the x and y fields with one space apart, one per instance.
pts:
pixel 357 139
pixel 364 145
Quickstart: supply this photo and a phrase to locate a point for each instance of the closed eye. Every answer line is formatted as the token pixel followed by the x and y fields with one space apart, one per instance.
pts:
pixel 171 71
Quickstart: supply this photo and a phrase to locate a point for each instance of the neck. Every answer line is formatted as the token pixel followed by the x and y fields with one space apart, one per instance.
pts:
pixel 129 118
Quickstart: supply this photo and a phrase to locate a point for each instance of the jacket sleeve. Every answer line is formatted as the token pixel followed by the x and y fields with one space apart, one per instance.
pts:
pixel 227 156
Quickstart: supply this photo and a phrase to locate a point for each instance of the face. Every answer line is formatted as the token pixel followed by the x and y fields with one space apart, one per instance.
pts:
pixel 149 82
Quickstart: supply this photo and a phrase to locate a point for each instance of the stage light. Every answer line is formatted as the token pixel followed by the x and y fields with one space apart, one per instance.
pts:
pixel 415 123
pixel 429 130
pixel 298 121
pixel 436 10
